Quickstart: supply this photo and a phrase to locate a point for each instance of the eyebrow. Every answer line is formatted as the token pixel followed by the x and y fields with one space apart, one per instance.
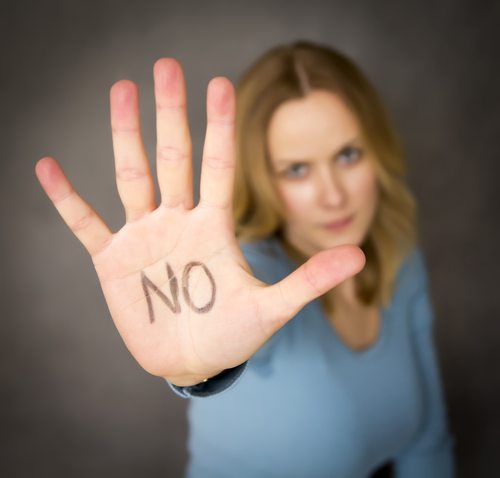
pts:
pixel 351 142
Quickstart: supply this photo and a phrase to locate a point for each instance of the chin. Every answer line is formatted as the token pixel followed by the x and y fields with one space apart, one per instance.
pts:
pixel 343 239
pixel 313 244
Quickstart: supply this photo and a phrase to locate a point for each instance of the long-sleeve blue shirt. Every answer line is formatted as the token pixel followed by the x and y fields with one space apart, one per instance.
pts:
pixel 307 405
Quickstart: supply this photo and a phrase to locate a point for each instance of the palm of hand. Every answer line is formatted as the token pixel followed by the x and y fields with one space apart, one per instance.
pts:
pixel 191 323
pixel 176 283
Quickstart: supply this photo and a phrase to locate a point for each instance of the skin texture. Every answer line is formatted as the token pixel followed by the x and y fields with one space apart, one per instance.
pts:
pixel 184 346
pixel 324 173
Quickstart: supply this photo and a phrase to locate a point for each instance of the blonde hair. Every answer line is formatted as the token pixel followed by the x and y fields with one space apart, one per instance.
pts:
pixel 290 72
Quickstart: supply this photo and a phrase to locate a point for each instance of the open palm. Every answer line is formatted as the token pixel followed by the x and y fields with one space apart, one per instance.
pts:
pixel 177 285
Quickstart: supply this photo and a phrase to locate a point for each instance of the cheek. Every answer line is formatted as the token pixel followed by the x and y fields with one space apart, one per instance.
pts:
pixel 363 187
pixel 297 199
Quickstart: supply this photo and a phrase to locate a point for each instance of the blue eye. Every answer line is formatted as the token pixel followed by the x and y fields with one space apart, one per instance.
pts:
pixel 350 154
pixel 297 170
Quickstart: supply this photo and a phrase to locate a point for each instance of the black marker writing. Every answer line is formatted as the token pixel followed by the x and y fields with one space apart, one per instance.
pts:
pixel 174 306
pixel 185 287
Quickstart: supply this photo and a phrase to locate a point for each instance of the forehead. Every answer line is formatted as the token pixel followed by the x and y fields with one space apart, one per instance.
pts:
pixel 319 123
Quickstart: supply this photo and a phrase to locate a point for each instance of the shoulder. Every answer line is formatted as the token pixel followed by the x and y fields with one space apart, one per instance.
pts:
pixel 266 248
pixel 412 275
pixel 267 259
pixel 412 289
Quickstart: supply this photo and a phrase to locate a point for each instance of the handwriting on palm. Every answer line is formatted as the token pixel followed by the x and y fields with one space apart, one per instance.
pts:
pixel 176 283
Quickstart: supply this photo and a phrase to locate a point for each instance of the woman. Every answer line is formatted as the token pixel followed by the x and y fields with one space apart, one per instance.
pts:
pixel 351 382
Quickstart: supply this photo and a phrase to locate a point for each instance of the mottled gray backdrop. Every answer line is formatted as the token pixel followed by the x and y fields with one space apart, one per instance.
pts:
pixel 73 402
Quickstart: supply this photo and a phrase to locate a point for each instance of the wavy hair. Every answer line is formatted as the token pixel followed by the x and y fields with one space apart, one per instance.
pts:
pixel 290 72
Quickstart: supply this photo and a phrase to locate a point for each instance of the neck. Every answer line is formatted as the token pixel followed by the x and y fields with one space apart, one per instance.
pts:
pixel 345 293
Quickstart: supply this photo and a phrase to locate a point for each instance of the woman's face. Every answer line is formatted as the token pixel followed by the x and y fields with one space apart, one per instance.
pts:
pixel 323 172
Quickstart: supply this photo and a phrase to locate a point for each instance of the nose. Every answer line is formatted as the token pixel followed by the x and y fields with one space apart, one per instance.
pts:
pixel 330 190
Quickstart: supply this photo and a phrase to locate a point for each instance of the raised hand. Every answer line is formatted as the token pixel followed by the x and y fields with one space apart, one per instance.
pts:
pixel 176 283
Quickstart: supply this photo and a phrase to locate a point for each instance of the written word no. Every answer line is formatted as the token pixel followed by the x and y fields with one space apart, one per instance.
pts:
pixel 174 304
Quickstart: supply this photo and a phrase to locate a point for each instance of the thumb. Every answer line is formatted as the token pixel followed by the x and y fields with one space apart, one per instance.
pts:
pixel 317 276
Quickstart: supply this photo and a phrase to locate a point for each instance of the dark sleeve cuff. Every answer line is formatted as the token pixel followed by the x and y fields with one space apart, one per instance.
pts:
pixel 218 384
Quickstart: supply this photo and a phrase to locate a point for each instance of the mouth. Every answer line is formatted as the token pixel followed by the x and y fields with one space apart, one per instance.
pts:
pixel 337 226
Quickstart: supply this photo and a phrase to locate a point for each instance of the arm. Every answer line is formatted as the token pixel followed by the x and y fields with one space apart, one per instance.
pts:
pixel 430 455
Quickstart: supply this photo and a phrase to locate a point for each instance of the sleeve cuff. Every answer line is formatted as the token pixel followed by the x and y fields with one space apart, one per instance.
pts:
pixel 220 383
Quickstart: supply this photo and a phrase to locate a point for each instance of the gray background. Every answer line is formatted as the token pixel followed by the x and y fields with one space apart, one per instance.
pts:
pixel 73 402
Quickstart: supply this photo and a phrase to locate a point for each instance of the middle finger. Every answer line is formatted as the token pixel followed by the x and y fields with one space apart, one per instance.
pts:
pixel 173 153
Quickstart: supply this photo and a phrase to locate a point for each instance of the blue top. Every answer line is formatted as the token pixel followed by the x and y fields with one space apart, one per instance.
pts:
pixel 307 405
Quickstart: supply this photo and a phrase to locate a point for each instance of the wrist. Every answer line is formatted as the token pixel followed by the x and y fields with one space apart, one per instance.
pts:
pixel 192 380
pixel 212 386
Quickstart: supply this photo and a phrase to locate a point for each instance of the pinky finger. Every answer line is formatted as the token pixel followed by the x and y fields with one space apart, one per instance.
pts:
pixel 81 218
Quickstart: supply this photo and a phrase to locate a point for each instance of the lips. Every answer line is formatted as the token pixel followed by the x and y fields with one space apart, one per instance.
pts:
pixel 335 226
